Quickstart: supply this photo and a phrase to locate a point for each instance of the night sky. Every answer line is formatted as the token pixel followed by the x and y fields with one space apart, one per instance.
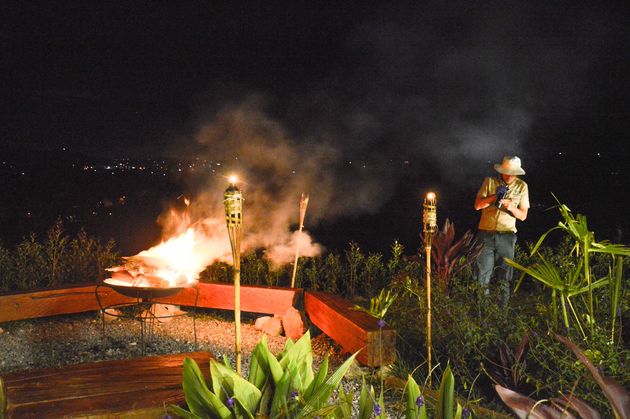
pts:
pixel 436 91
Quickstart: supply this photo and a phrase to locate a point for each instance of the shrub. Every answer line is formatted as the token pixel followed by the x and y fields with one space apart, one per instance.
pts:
pixel 59 259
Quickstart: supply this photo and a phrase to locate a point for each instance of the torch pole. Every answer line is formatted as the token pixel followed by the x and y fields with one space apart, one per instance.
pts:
pixel 303 205
pixel 233 201
pixel 429 221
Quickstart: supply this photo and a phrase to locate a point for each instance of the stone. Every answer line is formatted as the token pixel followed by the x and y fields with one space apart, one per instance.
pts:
pixel 293 323
pixel 111 314
pixel 165 312
pixel 273 327
pixel 260 322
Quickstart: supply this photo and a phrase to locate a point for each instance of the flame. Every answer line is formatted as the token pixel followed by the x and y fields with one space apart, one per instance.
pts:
pixel 178 260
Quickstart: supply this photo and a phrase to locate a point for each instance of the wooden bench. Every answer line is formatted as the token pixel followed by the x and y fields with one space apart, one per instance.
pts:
pixel 352 329
pixel 82 298
pixel 137 388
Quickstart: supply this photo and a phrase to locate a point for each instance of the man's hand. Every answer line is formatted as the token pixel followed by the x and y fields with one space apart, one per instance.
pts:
pixel 518 213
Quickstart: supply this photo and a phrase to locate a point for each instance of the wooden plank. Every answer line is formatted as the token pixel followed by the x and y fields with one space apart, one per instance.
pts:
pixel 254 299
pixel 78 299
pixel 66 300
pixel 134 388
pixel 352 329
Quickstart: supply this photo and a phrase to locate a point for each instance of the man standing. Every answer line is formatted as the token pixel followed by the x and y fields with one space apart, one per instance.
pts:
pixel 502 200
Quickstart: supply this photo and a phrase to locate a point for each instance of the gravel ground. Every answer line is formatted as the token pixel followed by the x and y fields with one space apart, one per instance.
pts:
pixel 72 339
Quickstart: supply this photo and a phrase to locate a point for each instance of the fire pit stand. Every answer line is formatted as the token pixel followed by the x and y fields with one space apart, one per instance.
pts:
pixel 143 308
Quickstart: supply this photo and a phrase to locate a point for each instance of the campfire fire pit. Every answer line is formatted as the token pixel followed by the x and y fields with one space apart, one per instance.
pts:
pixel 143 309
pixel 145 292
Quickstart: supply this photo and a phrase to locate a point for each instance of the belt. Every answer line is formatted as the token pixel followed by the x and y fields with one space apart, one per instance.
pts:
pixel 496 232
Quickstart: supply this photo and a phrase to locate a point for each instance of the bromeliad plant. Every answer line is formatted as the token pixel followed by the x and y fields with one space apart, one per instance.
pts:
pixel 277 387
pixel 450 257
pixel 579 280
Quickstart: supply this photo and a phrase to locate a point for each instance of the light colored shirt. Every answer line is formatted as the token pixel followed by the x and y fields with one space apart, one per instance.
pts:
pixel 500 219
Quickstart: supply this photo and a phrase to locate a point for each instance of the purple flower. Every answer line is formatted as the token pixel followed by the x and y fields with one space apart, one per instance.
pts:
pixel 230 402
pixel 420 401
pixel 465 413
pixel 294 395
pixel 377 409
pixel 381 323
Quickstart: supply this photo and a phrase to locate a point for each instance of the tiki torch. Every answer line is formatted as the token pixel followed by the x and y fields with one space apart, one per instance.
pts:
pixel 233 201
pixel 429 222
pixel 303 205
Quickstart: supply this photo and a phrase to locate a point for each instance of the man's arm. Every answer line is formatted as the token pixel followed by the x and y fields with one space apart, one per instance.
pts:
pixel 517 212
pixel 482 202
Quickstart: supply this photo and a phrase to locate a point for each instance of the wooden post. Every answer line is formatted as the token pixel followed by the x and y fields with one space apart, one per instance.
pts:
pixel 233 201
pixel 303 205
pixel 428 271
pixel 3 400
pixel 429 221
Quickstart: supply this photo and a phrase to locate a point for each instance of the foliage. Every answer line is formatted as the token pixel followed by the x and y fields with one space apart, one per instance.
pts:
pixel 58 259
pixel 282 387
pixel 617 395
pixel 355 259
pixel 550 367
pixel 256 269
pixel 380 304
pixel 578 279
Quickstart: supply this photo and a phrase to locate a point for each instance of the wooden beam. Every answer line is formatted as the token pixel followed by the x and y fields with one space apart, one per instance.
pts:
pixel 353 329
pixel 78 299
pixel 254 299
pixel 66 300
pixel 138 387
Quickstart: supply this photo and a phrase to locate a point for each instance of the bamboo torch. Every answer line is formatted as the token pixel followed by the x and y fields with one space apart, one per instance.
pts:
pixel 429 221
pixel 233 201
pixel 303 205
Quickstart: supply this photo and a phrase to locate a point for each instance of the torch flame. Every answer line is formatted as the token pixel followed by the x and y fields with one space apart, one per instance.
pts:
pixel 431 196
pixel 233 179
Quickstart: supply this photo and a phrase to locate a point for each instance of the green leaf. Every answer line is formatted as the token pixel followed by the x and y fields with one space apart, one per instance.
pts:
pixel 413 411
pixel 259 365
pixel 446 396
pixel 240 410
pixel 230 384
pixel 281 394
pixel 274 367
pixel 321 394
pixel 319 379
pixel 458 411
pixel 185 414
pixel 365 402
pixel 198 396
pixel 301 354
pixel 344 407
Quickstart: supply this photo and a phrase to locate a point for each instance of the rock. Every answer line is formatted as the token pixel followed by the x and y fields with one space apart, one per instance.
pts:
pixel 260 322
pixel 293 323
pixel 165 312
pixel 111 314
pixel 273 326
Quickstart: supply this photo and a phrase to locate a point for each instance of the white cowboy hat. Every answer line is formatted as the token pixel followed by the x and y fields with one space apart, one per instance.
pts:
pixel 511 165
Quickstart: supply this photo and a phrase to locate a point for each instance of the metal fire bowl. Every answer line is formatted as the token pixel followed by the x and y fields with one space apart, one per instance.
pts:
pixel 146 293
